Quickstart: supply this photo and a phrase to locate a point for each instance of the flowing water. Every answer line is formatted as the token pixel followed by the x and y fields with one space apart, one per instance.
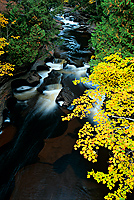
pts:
pixel 41 152
pixel 38 117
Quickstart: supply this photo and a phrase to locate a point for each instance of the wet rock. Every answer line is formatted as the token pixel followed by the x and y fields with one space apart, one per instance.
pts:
pixel 82 23
pixel 59 61
pixel 10 103
pixel 6 118
pixel 4 79
pixel 43 67
pixel 61 174
pixel 86 29
pixel 18 83
pixel 79 18
pixel 49 59
pixel 84 55
pixel 66 13
pixel 66 96
pixel 75 58
pixel 21 86
pixel 58 53
pixel 33 78
pixel 64 65
pixel 82 28
pixel 64 55
pixel 76 62
pixel 53 78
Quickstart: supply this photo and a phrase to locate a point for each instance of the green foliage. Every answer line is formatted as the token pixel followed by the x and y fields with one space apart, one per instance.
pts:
pixel 115 31
pixel 26 49
pixel 33 22
pixel 90 7
pixel 5 68
pixel 115 127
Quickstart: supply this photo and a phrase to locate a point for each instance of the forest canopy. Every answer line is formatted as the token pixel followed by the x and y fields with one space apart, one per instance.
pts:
pixel 30 28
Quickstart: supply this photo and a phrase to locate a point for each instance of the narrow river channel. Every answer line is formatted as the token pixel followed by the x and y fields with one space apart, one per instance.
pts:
pixel 39 162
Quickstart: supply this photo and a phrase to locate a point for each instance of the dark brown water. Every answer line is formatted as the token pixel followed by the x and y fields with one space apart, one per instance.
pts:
pixel 38 161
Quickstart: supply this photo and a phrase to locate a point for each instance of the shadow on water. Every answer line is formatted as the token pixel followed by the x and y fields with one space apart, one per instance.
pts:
pixel 27 144
pixel 84 188
pixel 66 176
pixel 79 165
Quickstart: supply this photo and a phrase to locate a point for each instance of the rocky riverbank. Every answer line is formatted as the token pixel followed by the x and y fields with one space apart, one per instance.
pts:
pixel 77 57
pixel 31 110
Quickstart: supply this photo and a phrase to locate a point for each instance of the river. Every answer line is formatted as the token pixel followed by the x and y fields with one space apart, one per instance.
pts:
pixel 38 161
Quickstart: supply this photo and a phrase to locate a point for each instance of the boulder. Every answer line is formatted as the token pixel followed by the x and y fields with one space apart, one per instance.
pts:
pixel 55 74
pixel 59 61
pixel 58 53
pixel 82 28
pixel 84 55
pixel 21 85
pixel 49 59
pixel 18 83
pixel 53 78
pixel 65 95
pixel 43 67
pixel 33 78
pixel 77 62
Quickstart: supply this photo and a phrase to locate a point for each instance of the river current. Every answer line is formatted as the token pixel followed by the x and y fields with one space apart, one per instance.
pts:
pixel 40 162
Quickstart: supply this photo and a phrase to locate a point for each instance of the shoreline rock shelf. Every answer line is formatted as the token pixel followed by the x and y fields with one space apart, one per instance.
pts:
pixel 39 142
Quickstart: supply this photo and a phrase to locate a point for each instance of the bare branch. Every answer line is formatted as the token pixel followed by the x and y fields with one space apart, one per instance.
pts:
pixel 121 117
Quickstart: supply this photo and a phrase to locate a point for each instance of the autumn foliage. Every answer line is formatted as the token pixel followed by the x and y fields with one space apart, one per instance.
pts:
pixel 115 123
pixel 5 68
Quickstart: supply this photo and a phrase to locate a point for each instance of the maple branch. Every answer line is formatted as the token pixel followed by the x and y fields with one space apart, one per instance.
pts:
pixel 129 152
pixel 121 117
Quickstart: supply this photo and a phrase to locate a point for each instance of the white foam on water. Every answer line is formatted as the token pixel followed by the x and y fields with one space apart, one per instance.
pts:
pixel 53 87
pixel 77 72
pixel 71 67
pixel 56 66
pixel 46 102
pixel 61 103
pixel 27 94
pixel 23 88
pixel 43 74
pixel 87 65
pixel 70 24
pixel 81 71
pixel 7 120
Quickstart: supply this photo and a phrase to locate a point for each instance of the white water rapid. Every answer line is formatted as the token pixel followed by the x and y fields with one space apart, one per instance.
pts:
pixel 46 101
